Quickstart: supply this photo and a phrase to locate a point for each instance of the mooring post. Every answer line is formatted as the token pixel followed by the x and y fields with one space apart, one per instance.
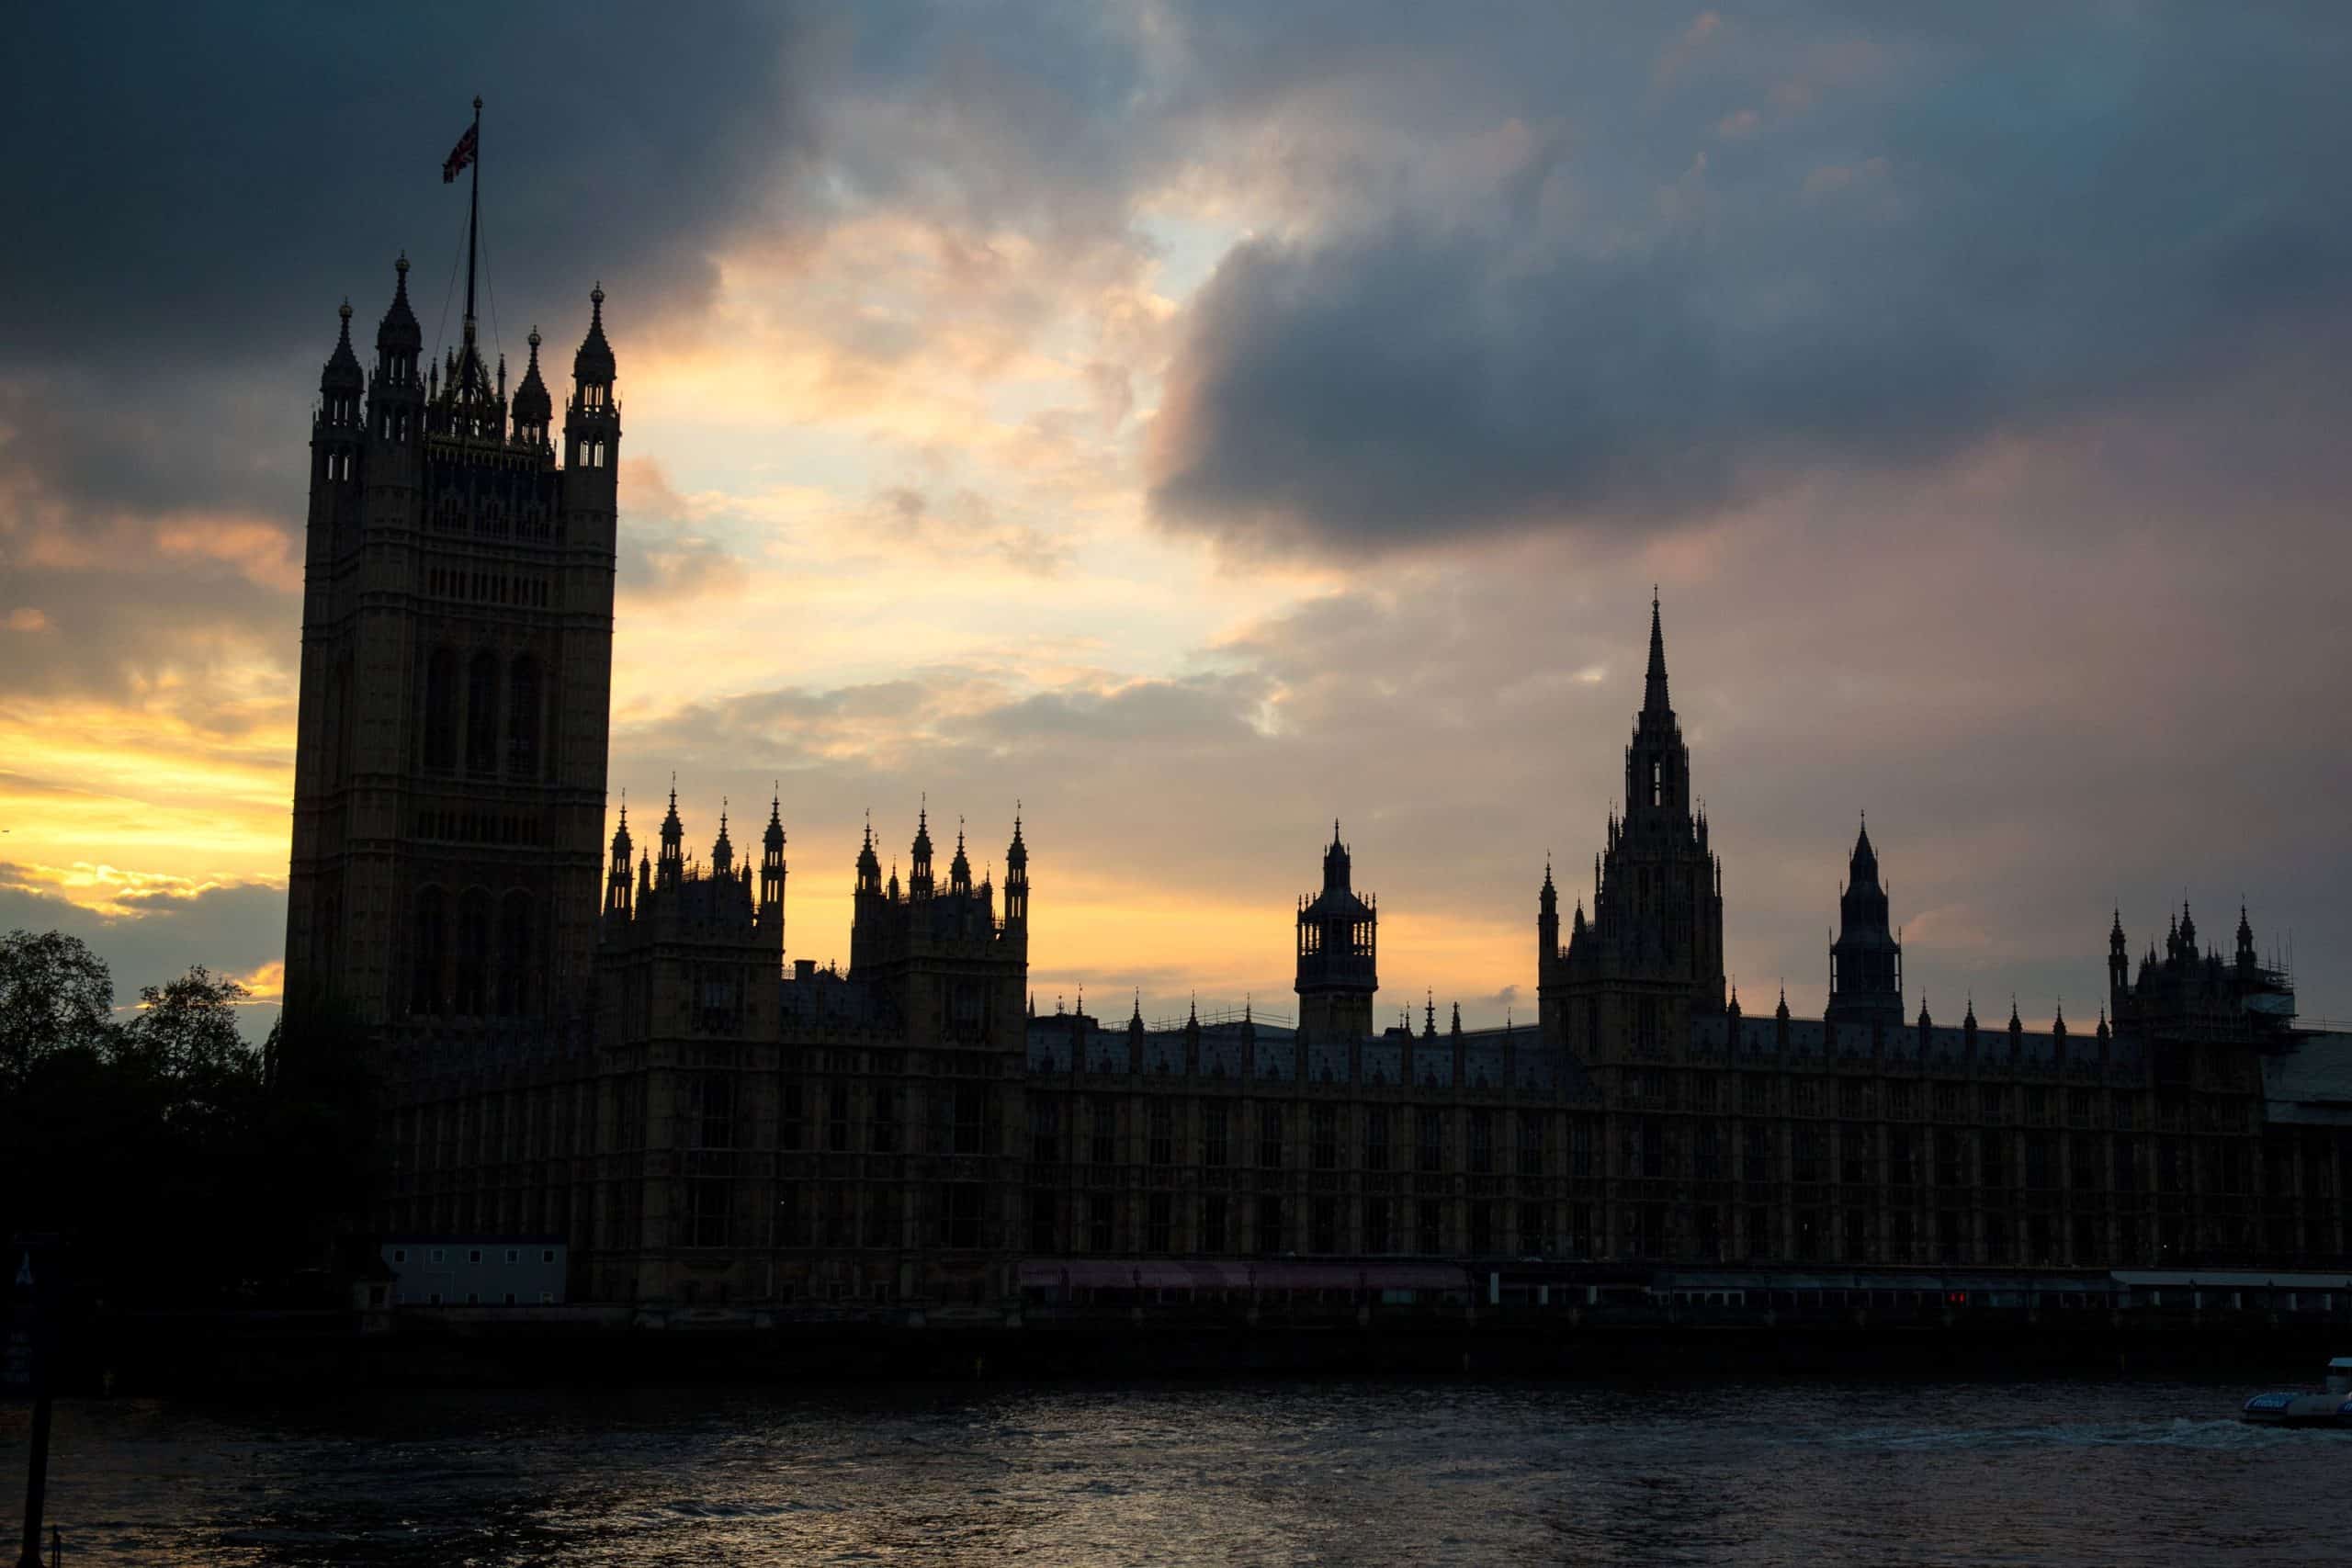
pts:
pixel 35 1289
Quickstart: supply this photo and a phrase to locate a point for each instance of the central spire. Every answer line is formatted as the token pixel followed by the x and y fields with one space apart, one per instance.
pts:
pixel 1653 685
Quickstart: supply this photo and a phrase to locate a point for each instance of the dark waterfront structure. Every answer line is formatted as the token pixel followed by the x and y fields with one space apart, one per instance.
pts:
pixel 706 1120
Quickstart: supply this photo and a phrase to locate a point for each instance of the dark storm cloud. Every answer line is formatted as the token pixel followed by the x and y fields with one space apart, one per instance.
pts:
pixel 1033 115
pixel 1971 228
pixel 110 447
pixel 198 183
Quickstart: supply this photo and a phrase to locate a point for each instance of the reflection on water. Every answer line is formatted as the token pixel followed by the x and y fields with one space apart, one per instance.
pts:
pixel 1369 1472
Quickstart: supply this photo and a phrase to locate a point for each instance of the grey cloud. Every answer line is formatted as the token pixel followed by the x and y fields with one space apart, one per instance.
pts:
pixel 751 717
pixel 106 634
pixel 1003 116
pixel 1988 229
pixel 1188 713
pixel 662 554
pixel 964 523
pixel 231 930
pixel 131 572
pixel 105 444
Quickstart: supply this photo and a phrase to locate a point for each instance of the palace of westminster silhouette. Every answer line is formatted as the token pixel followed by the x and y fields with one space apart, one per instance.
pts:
pixel 645 1074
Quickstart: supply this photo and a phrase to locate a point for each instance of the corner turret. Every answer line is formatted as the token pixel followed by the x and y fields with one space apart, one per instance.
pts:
pixel 534 410
pixel 1016 879
pixel 591 435
pixel 617 885
pixel 672 871
pixel 771 918
pixel 918 882
pixel 959 870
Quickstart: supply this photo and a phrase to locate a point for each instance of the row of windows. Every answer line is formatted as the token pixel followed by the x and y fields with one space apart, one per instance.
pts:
pixel 478 827
pixel 843 1214
pixel 490 587
pixel 469 707
pixel 1099 1222
pixel 1381 1226
pixel 2035 1104
pixel 491 520
pixel 1351 939
pixel 817 1120
pixel 1650 1149
pixel 473 1254
pixel 960 1121
pixel 1901 1157
pixel 469 976
pixel 496 1129
pixel 1399 1140
pixel 1382 1132
pixel 850 1215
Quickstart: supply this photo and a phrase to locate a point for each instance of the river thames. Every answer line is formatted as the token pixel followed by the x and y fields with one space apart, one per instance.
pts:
pixel 1275 1472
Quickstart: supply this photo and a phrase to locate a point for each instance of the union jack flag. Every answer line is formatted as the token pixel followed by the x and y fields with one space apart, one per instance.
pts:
pixel 461 154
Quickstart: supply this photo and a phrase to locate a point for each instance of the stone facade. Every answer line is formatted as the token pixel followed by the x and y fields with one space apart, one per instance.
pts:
pixel 456 677
pixel 708 1121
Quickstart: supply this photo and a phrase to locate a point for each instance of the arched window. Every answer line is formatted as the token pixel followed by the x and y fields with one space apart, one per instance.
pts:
pixel 481 713
pixel 441 709
pixel 518 987
pixel 473 953
pixel 523 719
pixel 340 701
pixel 428 951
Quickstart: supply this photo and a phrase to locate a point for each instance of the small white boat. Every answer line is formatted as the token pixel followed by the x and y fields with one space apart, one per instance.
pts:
pixel 2306 1407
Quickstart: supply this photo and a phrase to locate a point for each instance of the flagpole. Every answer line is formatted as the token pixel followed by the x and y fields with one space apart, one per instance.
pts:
pixel 473 224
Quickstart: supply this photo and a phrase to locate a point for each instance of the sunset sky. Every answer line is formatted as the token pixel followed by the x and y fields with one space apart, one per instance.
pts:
pixel 1201 421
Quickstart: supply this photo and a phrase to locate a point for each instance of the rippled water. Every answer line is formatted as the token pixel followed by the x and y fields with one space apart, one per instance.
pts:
pixel 1289 1472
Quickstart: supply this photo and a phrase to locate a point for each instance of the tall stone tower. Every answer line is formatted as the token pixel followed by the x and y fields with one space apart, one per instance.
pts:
pixel 1338 936
pixel 455 673
pixel 1652 956
pixel 1866 962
